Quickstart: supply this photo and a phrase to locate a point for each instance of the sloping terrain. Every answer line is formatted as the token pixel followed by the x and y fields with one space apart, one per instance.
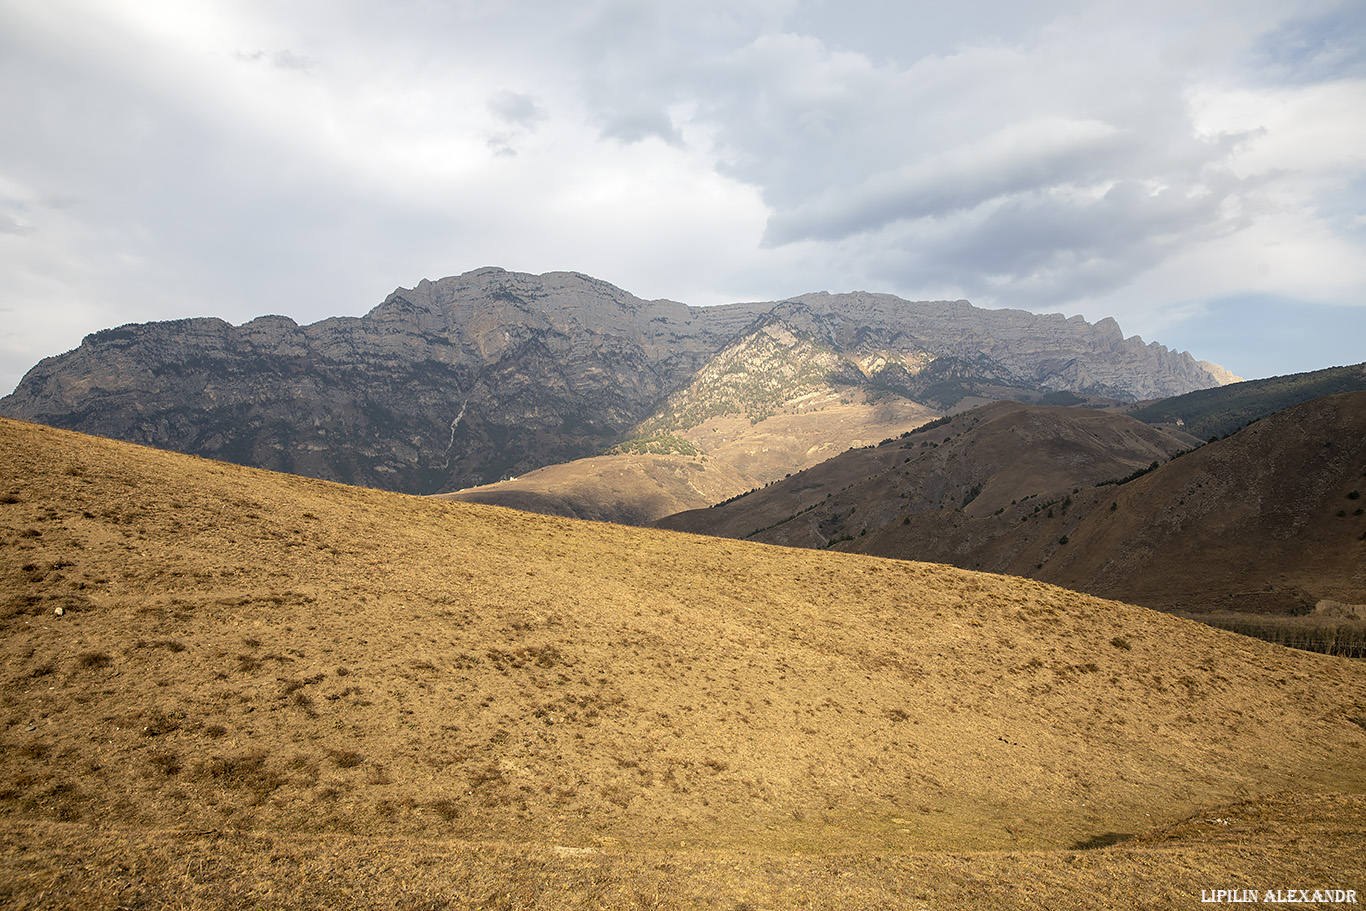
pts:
pixel 628 488
pixel 225 687
pixel 1269 520
pixel 478 377
pixel 643 486
pixel 775 401
pixel 973 468
pixel 1219 411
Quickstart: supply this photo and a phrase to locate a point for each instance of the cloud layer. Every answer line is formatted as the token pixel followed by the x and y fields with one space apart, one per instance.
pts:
pixel 1159 163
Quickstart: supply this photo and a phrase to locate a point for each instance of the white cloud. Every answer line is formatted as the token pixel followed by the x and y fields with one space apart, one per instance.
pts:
pixel 1314 132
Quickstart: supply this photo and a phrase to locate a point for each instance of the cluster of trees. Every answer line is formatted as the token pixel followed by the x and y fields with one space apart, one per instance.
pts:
pixel 657 444
pixel 1330 635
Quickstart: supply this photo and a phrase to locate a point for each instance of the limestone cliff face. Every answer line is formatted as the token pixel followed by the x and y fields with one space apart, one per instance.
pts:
pixel 487 374
pixel 1048 352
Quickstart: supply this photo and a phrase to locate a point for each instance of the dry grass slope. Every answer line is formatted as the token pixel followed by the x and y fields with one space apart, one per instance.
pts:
pixel 266 690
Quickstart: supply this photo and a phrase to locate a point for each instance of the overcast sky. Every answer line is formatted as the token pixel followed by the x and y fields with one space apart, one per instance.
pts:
pixel 1195 169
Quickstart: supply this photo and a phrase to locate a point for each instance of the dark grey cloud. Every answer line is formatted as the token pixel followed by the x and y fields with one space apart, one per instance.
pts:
pixel 516 109
pixel 520 113
pixel 1021 159
pixel 1041 246
pixel 13 224
pixel 626 125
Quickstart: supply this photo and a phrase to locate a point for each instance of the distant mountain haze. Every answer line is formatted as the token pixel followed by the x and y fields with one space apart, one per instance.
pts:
pixel 492 374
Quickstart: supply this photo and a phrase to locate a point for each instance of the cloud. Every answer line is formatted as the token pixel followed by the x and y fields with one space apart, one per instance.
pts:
pixel 11 224
pixel 516 109
pixel 1127 160
pixel 1047 167
pixel 1020 158
pixel 285 60
pixel 1313 48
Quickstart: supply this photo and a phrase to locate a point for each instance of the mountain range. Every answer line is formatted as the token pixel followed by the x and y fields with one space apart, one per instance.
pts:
pixel 763 421
pixel 491 374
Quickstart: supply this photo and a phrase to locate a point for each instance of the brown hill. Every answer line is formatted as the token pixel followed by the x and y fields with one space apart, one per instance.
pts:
pixel 1269 520
pixel 228 688
pixel 972 466
pixel 1264 521
pixel 631 489
pixel 729 455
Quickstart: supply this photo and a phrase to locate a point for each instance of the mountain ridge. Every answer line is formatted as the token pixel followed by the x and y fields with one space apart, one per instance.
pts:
pixel 490 374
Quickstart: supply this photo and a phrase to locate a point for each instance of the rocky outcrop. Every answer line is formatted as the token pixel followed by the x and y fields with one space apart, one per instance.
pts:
pixel 489 374
pixel 1048 351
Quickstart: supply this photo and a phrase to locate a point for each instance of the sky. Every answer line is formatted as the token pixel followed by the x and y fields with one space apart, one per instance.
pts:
pixel 1194 169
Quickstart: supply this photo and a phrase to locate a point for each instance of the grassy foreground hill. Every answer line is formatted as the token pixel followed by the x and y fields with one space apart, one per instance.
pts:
pixel 228 688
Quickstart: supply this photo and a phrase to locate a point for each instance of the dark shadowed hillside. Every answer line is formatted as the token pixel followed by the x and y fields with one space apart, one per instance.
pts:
pixel 1217 412
pixel 1268 520
pixel 969 468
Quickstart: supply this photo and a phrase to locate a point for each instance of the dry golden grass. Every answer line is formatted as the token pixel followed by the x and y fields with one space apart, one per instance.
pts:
pixel 270 691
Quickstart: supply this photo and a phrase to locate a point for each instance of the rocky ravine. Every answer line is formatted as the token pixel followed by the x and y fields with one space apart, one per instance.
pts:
pixel 491 373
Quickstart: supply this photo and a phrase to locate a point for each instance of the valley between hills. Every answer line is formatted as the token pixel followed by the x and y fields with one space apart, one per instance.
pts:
pixel 226 688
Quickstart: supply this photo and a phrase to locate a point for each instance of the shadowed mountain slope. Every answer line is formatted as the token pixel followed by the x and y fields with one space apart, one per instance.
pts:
pixel 972 465
pixel 478 377
pixel 292 674
pixel 1217 412
pixel 1268 520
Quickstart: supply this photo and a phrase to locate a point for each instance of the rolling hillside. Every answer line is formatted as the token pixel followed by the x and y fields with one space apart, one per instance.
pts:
pixel 1269 520
pixel 228 688
pixel 1266 521
pixel 972 465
